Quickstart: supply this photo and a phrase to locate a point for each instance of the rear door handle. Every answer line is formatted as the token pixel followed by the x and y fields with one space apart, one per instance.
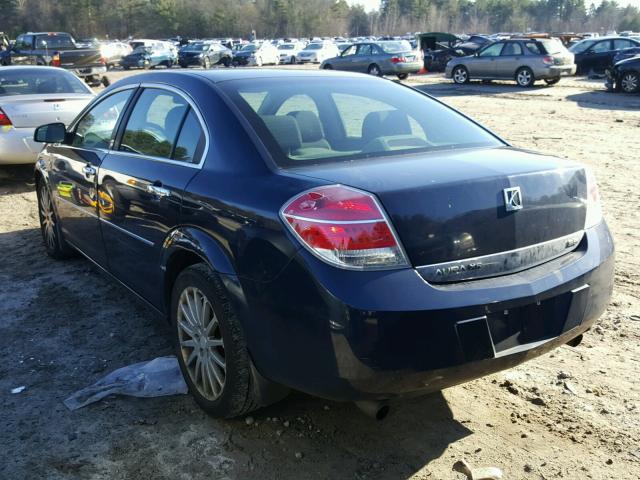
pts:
pixel 158 191
pixel 88 171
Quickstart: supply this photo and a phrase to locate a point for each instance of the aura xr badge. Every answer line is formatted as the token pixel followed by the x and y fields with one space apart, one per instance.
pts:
pixel 512 199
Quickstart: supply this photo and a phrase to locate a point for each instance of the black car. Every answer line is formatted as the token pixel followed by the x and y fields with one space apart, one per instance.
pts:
pixel 596 54
pixel 624 76
pixel 626 53
pixel 204 55
pixel 338 234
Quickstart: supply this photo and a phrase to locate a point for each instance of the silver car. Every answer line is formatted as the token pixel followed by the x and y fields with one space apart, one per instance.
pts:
pixel 377 58
pixel 522 60
pixel 31 96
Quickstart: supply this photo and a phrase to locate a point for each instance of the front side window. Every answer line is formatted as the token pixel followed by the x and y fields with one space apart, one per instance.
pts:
pixel 601 47
pixel 492 50
pixel 97 127
pixel 364 49
pixel 24 42
pixel 349 51
pixel 153 125
pixel 307 121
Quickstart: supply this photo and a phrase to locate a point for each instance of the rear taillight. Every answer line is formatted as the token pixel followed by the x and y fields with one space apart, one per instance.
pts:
pixel 4 120
pixel 344 227
pixel 398 60
pixel 55 60
pixel 548 60
pixel 594 207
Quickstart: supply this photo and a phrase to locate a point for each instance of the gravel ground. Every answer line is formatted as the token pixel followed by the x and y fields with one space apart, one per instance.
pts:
pixel 571 414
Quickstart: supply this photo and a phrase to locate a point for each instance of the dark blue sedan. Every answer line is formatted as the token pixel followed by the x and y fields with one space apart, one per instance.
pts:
pixel 332 233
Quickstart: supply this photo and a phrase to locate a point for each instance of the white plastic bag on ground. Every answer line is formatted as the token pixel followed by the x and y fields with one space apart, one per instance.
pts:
pixel 155 378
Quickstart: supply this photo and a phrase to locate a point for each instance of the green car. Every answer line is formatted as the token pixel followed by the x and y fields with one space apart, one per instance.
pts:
pixel 378 58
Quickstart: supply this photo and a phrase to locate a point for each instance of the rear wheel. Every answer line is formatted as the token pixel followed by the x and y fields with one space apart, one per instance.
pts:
pixel 210 344
pixel 206 63
pixel 328 66
pixel 374 70
pixel 630 82
pixel 54 242
pixel 460 75
pixel 403 76
pixel 293 59
pixel 551 81
pixel 524 77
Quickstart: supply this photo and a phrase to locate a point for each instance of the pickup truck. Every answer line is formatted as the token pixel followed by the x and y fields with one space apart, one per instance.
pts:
pixel 57 49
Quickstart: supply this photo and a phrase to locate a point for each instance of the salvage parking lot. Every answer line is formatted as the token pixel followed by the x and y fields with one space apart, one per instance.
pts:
pixel 574 413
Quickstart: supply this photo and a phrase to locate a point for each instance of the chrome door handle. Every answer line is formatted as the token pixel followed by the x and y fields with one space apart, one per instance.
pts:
pixel 88 171
pixel 158 191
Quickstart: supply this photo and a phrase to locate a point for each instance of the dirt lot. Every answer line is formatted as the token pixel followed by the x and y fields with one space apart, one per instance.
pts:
pixel 572 414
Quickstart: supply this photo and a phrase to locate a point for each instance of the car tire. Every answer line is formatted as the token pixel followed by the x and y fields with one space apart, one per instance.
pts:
pixel 226 62
pixel 524 77
pixel 213 357
pixel 460 75
pixel 126 68
pixel 293 60
pixel 54 243
pixel 206 63
pixel 374 70
pixel 630 82
pixel 327 66
pixel 258 61
pixel 403 76
pixel 551 81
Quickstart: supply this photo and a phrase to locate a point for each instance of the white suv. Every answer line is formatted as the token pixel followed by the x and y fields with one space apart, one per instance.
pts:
pixel 289 52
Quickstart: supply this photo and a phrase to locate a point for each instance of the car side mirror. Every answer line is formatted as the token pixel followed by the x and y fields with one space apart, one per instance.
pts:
pixel 50 133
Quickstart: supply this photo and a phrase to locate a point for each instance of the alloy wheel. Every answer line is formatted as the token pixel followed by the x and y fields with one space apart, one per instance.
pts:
pixel 374 70
pixel 201 343
pixel 524 77
pixel 460 75
pixel 47 218
pixel 630 82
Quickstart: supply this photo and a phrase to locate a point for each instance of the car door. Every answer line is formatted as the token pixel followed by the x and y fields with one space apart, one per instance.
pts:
pixel 73 168
pixel 159 148
pixel 509 60
pixel 21 52
pixel 346 60
pixel 362 58
pixel 483 65
pixel 597 57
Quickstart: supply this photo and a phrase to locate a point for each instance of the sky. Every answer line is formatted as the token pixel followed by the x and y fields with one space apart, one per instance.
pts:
pixel 370 5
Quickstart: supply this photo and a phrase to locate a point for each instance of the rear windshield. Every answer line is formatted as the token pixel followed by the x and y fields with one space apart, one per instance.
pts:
pixel 552 46
pixel 395 47
pixel 196 47
pixel 305 121
pixel 38 81
pixel 314 46
pixel 54 41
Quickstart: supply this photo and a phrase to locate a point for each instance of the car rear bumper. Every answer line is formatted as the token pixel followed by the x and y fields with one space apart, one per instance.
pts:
pixel 555 71
pixel 409 67
pixel 17 146
pixel 89 71
pixel 307 60
pixel 381 335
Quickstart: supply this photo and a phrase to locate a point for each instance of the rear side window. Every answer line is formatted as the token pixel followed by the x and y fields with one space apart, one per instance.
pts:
pixel 620 44
pixel 601 47
pixel 96 128
pixel 190 144
pixel 534 47
pixel 552 46
pixel 153 126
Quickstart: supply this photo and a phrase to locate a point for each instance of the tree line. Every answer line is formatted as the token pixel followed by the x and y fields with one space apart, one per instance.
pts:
pixel 305 18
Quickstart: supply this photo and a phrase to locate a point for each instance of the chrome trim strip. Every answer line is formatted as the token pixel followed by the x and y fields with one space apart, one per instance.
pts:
pixel 127 232
pixel 501 263
pixel 336 222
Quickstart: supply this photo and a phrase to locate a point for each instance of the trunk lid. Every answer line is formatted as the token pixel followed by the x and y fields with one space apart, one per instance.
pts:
pixel 35 110
pixel 448 206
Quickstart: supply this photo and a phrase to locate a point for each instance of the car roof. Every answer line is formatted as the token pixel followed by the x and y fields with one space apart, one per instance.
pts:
pixel 10 68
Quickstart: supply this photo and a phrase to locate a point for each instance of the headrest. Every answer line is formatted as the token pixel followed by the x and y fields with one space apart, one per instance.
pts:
pixel 384 124
pixel 309 125
pixel 285 130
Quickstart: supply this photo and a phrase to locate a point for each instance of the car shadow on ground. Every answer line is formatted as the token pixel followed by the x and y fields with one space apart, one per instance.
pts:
pixel 478 88
pixel 603 100
pixel 16 179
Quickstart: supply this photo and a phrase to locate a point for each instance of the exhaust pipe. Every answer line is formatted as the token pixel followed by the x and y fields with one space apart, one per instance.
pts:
pixel 373 409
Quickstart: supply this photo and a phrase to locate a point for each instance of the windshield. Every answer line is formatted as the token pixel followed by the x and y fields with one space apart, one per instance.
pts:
pixel 305 120
pixel 581 46
pixel 196 47
pixel 248 48
pixel 285 47
pixel 395 47
pixel 39 81
pixel 142 49
pixel 314 46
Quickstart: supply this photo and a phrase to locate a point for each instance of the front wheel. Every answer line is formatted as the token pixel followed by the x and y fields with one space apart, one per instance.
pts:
pixel 524 77
pixel 292 61
pixel 258 62
pixel 551 81
pixel 210 344
pixel 206 63
pixel 630 82
pixel 374 70
pixel 403 76
pixel 327 66
pixel 460 75
pixel 54 242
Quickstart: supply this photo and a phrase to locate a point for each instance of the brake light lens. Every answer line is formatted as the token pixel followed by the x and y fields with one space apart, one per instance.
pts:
pixel 55 60
pixel 345 227
pixel 548 60
pixel 4 120
pixel 594 206
pixel 398 59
